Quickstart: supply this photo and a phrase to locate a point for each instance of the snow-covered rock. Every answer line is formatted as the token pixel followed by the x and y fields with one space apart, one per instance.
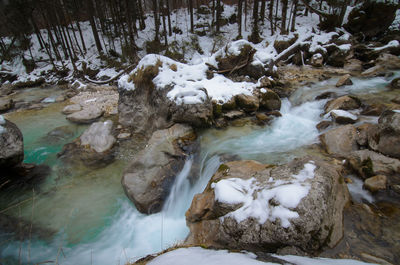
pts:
pixel 343 117
pixel 317 60
pixel 247 204
pixel 148 179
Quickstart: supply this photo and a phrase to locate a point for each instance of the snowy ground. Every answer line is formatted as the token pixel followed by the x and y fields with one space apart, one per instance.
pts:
pixel 208 44
pixel 200 256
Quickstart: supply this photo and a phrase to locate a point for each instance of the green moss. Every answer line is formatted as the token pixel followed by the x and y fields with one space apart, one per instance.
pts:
pixel 367 169
pixel 223 168
pixel 217 109
pixel 154 46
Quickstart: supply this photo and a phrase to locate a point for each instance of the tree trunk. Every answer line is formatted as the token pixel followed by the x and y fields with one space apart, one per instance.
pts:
pixel 239 18
pixel 218 16
pixel 190 2
pixel 271 16
pixel 262 11
pixel 284 14
pixel 169 19
pixel 293 28
pixel 156 20
pixel 93 26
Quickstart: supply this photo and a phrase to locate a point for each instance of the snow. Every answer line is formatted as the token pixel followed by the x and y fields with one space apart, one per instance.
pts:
pixel 49 100
pixel 393 43
pixel 255 199
pixel 343 113
pixel 201 256
pixel 396 22
pixel 188 82
pixel 396 110
pixel 2 122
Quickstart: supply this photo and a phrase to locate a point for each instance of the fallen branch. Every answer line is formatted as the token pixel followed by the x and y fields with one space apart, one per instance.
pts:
pixel 111 79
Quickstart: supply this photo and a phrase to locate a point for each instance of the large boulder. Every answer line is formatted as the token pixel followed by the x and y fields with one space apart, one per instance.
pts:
pixel 149 177
pixel 372 18
pixel 145 105
pixel 248 103
pixel 253 206
pixel 11 144
pixel 94 148
pixel 340 141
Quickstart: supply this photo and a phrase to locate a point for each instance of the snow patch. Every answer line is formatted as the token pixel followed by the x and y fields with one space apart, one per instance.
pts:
pixel 343 113
pixel 201 256
pixel 49 100
pixel 189 82
pixel 396 110
pixel 256 199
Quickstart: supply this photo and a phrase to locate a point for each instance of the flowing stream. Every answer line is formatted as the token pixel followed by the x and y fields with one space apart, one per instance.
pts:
pixel 93 221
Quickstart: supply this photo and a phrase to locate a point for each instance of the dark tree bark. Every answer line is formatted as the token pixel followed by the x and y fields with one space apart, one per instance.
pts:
pixel 271 16
pixel 284 14
pixel 218 16
pixel 169 19
pixel 262 11
pixel 190 2
pixel 93 26
pixel 239 18
pixel 156 20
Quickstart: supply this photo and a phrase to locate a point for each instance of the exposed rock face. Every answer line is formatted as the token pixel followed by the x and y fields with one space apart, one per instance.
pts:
pixel 87 115
pixel 389 61
pixel 11 144
pixel 340 141
pixel 94 148
pixel 353 65
pixel 148 179
pixel 311 221
pixel 343 103
pixel 372 18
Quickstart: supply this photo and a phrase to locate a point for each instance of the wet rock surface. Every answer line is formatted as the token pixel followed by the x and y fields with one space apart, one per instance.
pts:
pixel 149 177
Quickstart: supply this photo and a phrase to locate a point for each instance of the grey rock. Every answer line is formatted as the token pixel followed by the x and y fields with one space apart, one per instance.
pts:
pixel 6 104
pixel 71 109
pixel 340 141
pixel 342 103
pixel 148 179
pixel 99 136
pixel 11 145
pixel 87 115
pixel 320 212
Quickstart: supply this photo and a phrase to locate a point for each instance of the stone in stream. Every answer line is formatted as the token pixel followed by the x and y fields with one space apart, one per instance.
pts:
pixel 86 115
pixel 343 103
pixel 376 183
pixel 149 177
pixel 343 117
pixel 11 144
pixel 353 65
pixel 71 109
pixel 317 60
pixel 344 81
pixel 389 61
pixel 269 100
pixel 340 141
pixel 253 206
pixel 94 148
